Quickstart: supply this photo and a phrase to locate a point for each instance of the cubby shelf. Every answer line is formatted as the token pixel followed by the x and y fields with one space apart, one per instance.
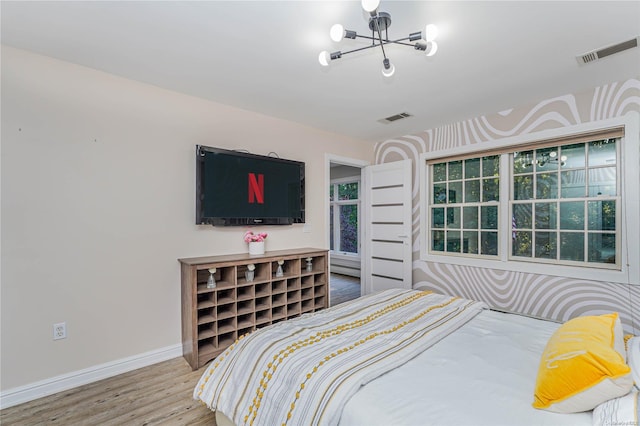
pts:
pixel 213 318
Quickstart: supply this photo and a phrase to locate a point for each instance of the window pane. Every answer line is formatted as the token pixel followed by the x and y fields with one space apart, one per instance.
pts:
pixel 348 191
pixel 546 245
pixel 472 191
pixel 602 153
pixel 470 217
pixel 472 168
pixel 440 172
pixel 573 184
pixel 602 248
pixel 437 217
pixel 574 154
pixel 453 217
pixel 455 170
pixel 572 215
pixel 489 241
pixel 523 187
pixel 455 192
pixel 331 192
pixel 453 241
pixel 547 185
pixel 522 244
pixel 491 166
pixel 523 215
pixel 523 162
pixel 602 181
pixel 349 228
pixel 470 243
pixel 437 240
pixel 572 246
pixel 489 217
pixel 490 190
pixel 440 193
pixel 546 215
pixel 602 215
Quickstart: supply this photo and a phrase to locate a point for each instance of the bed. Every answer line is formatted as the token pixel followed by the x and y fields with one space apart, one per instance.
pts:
pixel 403 357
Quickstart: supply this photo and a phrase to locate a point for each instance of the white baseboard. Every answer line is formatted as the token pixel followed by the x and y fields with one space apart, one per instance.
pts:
pixel 74 379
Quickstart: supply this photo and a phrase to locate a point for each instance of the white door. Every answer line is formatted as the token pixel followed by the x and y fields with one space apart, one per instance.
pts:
pixel 387 223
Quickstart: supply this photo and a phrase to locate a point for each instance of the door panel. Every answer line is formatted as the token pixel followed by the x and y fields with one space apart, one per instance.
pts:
pixel 388 214
pixel 387 249
pixel 382 283
pixel 386 196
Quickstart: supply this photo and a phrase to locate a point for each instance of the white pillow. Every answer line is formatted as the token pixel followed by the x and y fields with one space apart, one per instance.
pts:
pixel 633 358
pixel 618 411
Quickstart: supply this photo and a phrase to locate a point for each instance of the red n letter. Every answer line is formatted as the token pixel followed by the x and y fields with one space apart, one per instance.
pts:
pixel 256 188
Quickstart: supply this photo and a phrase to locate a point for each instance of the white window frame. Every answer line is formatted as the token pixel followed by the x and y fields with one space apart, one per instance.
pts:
pixel 629 169
pixel 335 212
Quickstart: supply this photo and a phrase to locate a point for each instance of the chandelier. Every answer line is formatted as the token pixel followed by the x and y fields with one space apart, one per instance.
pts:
pixel 379 23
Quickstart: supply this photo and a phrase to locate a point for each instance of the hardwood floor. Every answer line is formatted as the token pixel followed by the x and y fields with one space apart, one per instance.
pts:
pixel 156 395
pixel 343 288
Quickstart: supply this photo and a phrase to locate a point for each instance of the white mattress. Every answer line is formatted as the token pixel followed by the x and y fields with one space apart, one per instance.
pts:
pixel 482 374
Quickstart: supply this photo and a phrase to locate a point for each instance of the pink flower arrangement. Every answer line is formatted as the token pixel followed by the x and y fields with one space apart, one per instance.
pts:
pixel 250 237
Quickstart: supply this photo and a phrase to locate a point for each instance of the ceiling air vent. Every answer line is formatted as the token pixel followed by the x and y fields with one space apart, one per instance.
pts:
pixel 607 51
pixel 395 117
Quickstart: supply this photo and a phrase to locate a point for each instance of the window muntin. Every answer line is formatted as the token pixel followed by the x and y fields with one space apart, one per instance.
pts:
pixel 563 202
pixel 464 206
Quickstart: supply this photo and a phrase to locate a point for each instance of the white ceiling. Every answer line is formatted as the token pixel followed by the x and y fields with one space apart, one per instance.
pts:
pixel 262 55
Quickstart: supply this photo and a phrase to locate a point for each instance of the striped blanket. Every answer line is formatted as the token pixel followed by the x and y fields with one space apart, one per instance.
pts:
pixel 303 371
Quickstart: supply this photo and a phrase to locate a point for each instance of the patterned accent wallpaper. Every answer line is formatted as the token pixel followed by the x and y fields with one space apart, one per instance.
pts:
pixel 549 297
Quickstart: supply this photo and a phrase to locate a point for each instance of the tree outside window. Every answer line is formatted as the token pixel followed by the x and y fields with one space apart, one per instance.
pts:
pixel 344 211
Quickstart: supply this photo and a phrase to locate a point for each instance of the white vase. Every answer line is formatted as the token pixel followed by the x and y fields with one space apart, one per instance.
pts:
pixel 256 247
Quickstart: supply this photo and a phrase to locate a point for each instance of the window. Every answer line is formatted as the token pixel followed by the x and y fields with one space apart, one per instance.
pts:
pixel 464 206
pixel 565 202
pixel 555 202
pixel 343 204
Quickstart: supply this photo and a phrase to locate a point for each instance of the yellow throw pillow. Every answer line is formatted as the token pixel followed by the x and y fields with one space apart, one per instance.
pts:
pixel 583 365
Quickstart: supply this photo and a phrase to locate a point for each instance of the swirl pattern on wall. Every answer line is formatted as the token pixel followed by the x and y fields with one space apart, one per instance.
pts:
pixel 543 296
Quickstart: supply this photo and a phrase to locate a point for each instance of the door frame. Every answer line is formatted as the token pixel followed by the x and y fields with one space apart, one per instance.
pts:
pixel 343 161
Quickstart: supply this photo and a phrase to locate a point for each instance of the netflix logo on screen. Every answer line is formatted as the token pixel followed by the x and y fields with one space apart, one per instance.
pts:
pixel 256 188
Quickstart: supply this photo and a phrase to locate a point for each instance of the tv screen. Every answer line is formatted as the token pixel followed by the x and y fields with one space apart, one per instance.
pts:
pixel 238 188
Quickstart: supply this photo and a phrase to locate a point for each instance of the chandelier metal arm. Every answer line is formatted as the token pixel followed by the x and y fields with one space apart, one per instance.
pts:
pixel 380 43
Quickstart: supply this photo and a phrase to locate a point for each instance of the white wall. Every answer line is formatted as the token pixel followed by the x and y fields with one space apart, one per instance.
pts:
pixel 98 203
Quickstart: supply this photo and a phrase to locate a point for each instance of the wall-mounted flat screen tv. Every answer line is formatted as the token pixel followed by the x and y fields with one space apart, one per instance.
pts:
pixel 237 188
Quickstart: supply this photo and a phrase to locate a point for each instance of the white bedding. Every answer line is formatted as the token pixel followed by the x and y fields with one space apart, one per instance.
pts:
pixel 482 374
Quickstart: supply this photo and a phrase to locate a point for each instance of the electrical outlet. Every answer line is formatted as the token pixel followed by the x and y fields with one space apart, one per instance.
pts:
pixel 60 331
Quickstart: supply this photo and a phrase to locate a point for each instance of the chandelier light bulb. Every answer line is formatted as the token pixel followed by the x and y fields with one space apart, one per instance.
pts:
pixel 430 32
pixel 323 58
pixel 337 32
pixel 387 69
pixel 553 154
pixel 370 5
pixel 563 158
pixel 432 48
